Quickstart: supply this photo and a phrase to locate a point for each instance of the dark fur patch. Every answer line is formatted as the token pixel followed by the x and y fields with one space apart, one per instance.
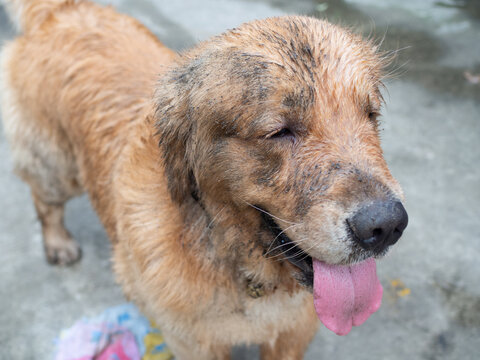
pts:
pixel 269 164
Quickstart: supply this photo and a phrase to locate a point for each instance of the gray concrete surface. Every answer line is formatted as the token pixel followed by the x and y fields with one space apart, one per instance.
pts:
pixel 431 307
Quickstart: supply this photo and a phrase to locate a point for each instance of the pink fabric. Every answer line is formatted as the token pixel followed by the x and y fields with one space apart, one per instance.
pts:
pixel 116 334
pixel 99 342
pixel 345 296
pixel 123 347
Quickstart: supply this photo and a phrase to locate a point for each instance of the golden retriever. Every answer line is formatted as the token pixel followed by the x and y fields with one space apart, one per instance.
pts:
pixel 241 183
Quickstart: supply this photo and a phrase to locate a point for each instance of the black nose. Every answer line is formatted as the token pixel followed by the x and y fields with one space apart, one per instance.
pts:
pixel 379 224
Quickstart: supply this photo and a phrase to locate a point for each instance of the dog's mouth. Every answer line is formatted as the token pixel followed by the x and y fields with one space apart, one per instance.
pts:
pixel 292 253
pixel 343 295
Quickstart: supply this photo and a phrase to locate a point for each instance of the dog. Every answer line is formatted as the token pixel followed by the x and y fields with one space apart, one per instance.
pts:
pixel 242 183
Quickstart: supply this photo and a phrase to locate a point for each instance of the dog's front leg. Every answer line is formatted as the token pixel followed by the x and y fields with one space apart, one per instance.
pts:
pixel 185 348
pixel 292 344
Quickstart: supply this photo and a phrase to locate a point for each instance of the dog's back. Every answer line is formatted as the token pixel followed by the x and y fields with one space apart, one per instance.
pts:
pixel 74 83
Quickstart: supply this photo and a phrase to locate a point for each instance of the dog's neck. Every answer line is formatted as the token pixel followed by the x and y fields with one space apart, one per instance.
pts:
pixel 233 238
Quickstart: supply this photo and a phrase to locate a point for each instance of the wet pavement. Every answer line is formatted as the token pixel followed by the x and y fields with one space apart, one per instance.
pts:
pixel 431 306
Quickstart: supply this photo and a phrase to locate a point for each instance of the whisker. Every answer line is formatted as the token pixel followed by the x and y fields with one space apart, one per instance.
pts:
pixel 215 217
pixel 298 253
pixel 283 252
pixel 276 237
pixel 266 212
pixel 304 257
pixel 278 247
pixel 300 249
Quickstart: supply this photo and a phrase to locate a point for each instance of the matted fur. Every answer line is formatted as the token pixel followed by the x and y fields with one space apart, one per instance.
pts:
pixel 179 153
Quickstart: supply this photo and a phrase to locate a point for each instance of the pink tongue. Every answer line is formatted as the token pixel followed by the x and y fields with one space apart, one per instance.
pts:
pixel 346 295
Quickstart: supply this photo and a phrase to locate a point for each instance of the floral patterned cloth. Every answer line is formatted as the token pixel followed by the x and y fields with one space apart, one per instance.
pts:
pixel 119 333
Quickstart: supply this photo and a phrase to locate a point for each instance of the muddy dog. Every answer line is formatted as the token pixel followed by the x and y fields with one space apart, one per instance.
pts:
pixel 242 183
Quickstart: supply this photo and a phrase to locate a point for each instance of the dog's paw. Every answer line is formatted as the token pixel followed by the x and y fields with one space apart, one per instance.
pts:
pixel 65 253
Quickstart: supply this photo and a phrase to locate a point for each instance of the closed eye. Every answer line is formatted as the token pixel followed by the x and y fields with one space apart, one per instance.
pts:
pixel 282 133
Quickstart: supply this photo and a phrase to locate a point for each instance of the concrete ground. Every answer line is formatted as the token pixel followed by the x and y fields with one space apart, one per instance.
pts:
pixel 431 307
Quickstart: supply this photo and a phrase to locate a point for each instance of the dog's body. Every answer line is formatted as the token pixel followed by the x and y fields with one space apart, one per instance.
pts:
pixel 77 91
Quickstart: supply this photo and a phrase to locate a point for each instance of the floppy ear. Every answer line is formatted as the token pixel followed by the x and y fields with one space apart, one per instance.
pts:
pixel 176 130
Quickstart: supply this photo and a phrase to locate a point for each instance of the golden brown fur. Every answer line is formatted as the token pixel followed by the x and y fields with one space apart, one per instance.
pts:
pixel 177 180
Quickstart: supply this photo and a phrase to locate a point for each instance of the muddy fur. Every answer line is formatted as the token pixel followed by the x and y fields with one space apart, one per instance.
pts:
pixel 179 152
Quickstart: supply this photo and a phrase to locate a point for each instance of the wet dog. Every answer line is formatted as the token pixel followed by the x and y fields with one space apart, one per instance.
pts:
pixel 241 183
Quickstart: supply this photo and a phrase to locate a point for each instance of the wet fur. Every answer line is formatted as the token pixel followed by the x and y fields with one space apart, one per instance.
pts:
pixel 175 156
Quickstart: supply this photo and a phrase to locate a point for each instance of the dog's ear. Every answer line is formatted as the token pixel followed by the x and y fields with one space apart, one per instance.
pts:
pixel 176 130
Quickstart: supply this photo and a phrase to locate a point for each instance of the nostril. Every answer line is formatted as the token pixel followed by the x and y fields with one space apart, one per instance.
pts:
pixel 397 231
pixel 377 232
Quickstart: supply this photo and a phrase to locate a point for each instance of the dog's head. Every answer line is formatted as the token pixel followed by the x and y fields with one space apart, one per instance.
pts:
pixel 279 118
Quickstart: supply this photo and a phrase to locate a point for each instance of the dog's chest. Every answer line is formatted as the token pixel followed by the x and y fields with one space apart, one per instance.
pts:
pixel 250 320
